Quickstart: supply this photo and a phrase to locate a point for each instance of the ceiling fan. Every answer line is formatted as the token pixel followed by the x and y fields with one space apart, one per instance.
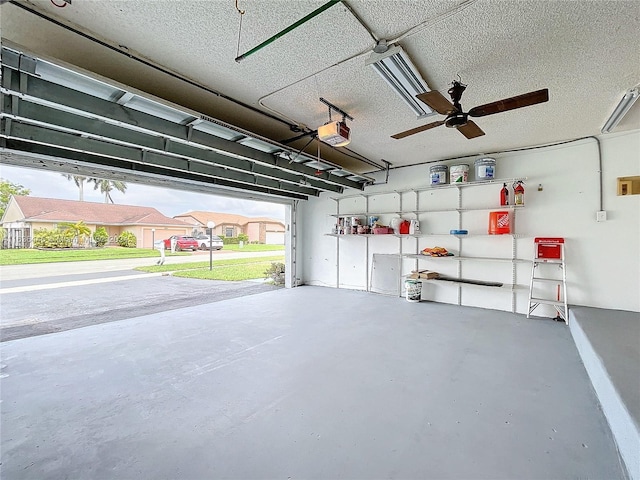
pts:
pixel 457 118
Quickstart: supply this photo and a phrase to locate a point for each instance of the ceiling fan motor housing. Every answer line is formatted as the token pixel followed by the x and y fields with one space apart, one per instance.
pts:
pixel 456 120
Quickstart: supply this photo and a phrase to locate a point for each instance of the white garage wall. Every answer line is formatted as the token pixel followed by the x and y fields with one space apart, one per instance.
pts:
pixel 603 259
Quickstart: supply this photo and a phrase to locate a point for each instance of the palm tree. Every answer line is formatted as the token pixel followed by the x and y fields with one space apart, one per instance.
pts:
pixel 107 186
pixel 79 181
pixel 79 231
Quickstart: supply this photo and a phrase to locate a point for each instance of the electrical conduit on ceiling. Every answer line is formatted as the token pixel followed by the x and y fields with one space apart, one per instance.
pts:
pixel 274 115
pixel 293 125
pixel 411 31
pixel 524 149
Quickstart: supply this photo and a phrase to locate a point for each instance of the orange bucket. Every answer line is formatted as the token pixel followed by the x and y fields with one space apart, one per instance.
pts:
pixel 499 223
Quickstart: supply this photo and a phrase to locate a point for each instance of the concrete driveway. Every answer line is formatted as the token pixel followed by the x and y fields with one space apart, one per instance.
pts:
pixel 48 298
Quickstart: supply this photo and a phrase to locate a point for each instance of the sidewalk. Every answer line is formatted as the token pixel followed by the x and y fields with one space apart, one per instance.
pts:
pixel 39 270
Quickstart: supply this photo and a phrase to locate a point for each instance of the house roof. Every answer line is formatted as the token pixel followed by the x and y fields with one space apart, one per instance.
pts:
pixel 224 218
pixel 37 209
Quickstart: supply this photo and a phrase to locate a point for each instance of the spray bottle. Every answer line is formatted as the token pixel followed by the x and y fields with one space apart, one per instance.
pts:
pixel 504 195
pixel 518 192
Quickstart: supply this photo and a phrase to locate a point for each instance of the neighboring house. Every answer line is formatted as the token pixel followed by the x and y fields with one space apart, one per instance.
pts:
pixel 24 215
pixel 258 229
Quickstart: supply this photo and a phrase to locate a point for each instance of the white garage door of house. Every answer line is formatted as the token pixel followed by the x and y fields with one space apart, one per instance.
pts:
pixel 275 238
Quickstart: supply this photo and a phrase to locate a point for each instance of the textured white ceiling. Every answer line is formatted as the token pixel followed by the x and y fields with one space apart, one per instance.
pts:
pixel 585 52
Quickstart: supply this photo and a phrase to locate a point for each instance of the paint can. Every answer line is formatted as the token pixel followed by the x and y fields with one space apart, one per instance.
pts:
pixel 413 290
pixel 485 168
pixel 499 223
pixel 438 174
pixel 459 173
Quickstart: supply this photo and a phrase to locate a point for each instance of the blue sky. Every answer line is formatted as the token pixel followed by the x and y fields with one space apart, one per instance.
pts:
pixel 168 201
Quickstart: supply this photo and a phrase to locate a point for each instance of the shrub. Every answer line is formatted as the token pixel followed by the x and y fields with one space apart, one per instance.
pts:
pixel 43 238
pixel 100 236
pixel 78 230
pixel 128 240
pixel 243 237
pixel 276 273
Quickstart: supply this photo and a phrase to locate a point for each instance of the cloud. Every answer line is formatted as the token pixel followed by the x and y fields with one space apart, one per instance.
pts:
pixel 168 201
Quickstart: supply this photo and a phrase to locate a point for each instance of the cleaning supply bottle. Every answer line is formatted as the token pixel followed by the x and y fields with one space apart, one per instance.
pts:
pixel 518 193
pixel 504 195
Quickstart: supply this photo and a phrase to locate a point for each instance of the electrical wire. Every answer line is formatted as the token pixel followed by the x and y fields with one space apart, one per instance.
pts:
pixel 498 152
pixel 360 21
pixel 64 4
pixel 427 23
pixel 413 30
pixel 293 124
pixel 282 115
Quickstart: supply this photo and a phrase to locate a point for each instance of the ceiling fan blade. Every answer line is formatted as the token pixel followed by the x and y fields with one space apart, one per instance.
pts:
pixel 524 100
pixel 436 101
pixel 419 129
pixel 470 130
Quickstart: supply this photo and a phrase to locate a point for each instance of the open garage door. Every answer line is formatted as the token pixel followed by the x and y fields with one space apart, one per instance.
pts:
pixel 57 117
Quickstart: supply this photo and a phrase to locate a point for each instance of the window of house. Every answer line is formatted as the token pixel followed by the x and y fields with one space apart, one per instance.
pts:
pixel 228 232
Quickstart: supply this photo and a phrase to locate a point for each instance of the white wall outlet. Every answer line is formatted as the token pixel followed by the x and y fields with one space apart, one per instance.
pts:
pixel 601 216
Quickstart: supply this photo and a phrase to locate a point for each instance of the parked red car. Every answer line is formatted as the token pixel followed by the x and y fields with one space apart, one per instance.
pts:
pixel 183 242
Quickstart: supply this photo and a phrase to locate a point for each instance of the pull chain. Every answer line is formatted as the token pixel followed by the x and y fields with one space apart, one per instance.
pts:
pixel 241 12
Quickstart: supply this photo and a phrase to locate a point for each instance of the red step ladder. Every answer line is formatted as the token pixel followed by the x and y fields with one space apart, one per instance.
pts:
pixel 549 251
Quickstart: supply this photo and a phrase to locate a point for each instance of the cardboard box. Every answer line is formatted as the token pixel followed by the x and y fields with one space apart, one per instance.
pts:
pixel 425 274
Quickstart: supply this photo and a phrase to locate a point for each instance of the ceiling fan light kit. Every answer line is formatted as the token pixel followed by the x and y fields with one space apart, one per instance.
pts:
pixel 621 110
pixel 397 69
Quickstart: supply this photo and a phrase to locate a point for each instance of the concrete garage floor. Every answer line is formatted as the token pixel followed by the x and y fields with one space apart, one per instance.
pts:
pixel 304 383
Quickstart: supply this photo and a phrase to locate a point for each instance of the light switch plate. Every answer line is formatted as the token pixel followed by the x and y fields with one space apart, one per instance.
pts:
pixel 601 216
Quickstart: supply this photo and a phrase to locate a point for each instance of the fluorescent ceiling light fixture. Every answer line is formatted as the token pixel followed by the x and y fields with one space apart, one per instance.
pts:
pixel 621 110
pixel 397 69
pixel 335 133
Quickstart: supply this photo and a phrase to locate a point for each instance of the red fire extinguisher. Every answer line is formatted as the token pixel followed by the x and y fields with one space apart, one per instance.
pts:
pixel 504 195
pixel 518 193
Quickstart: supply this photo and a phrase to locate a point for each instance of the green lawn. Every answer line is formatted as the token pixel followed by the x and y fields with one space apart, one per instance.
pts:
pixel 253 247
pixel 232 269
pixel 20 256
pixel 247 271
